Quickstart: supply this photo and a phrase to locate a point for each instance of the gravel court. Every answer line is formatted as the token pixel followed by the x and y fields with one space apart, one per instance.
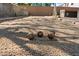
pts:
pixel 14 42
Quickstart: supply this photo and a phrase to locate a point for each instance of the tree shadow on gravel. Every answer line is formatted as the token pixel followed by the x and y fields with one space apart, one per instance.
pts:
pixel 12 36
pixel 10 18
pixel 69 36
pixel 69 47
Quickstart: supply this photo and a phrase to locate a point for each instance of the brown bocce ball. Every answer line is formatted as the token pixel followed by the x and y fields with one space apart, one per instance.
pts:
pixel 40 34
pixel 30 36
pixel 51 35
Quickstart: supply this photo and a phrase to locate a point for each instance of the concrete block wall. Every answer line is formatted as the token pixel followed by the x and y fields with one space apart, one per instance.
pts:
pixel 9 10
pixel 20 11
pixel 6 10
pixel 78 14
pixel 62 13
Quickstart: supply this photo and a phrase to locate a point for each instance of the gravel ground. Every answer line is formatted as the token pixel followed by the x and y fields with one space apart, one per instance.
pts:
pixel 13 41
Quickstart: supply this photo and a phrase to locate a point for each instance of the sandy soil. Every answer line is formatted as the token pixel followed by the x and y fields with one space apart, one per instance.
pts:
pixel 13 41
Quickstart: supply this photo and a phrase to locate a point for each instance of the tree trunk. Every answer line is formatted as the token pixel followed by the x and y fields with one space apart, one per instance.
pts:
pixel 54 11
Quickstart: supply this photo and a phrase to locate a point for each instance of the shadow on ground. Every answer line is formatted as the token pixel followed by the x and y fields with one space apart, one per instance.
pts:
pixel 71 48
pixel 10 18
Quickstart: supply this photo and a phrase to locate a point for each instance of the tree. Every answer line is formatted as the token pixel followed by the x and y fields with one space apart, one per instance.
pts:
pixel 41 4
pixel 54 11
pixel 24 4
